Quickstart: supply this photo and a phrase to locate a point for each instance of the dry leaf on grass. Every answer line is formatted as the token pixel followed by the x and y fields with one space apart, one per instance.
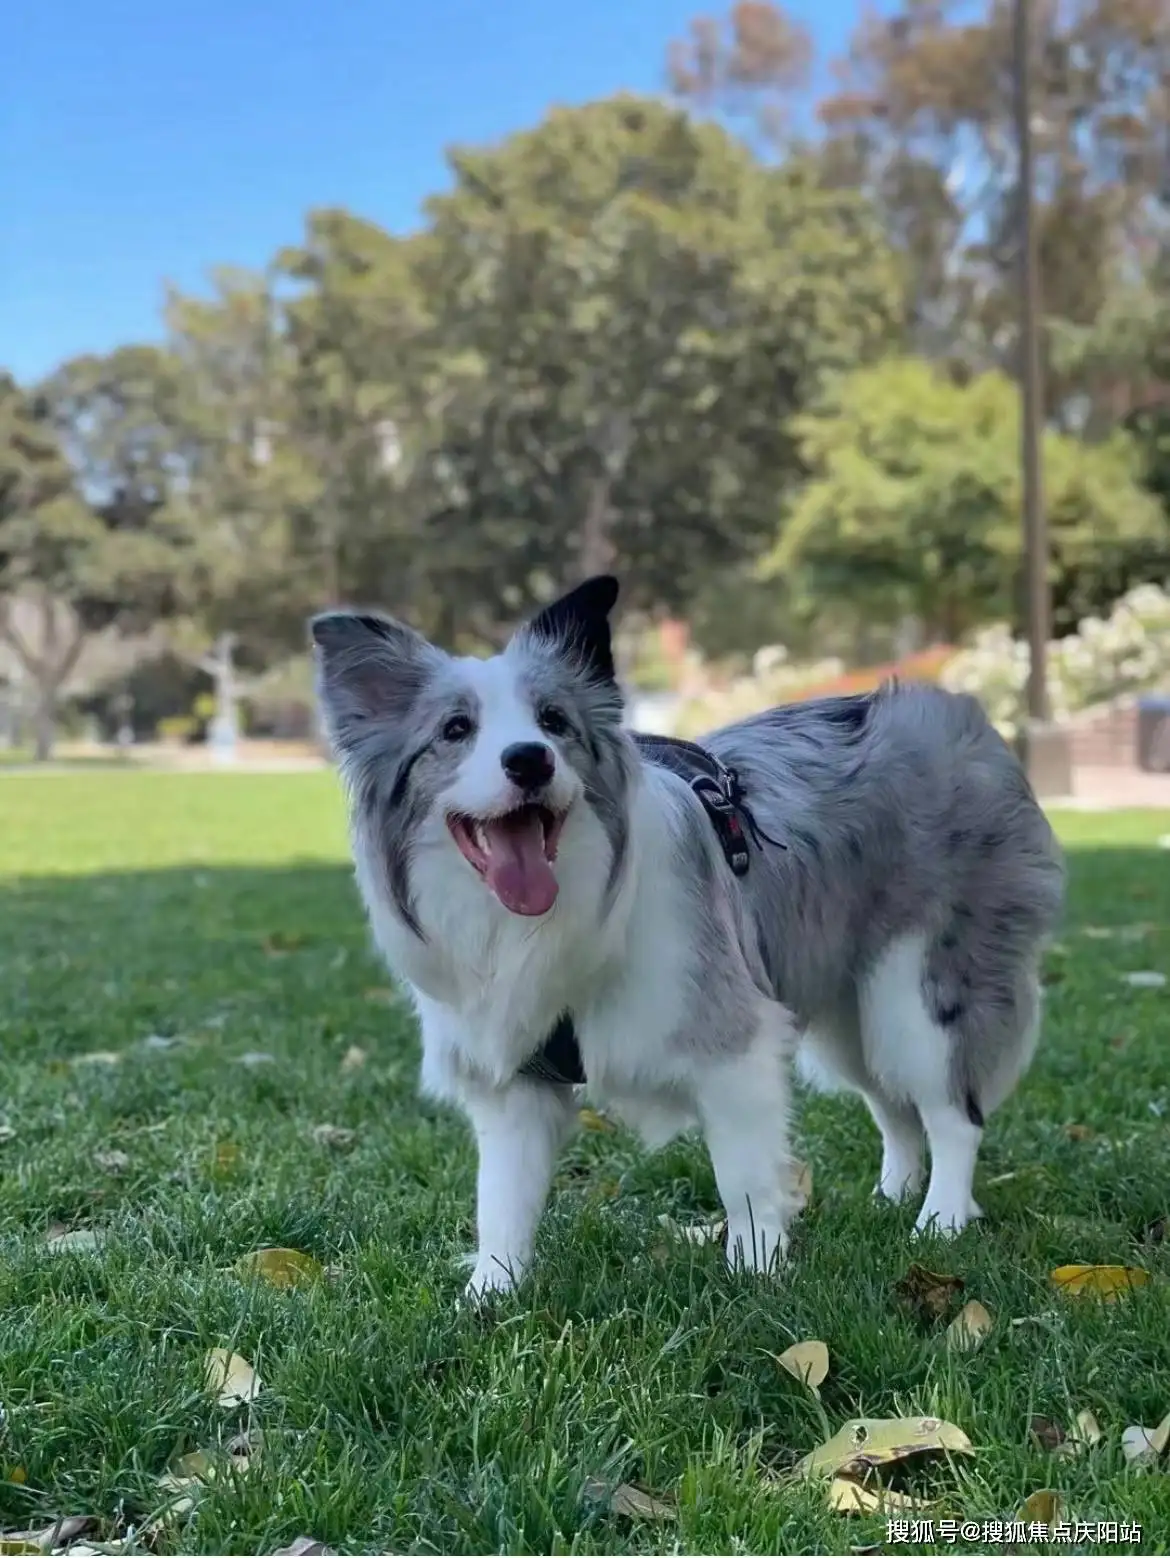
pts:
pixel 55 1537
pixel 1105 1282
pixel 970 1328
pixel 304 1547
pixel 113 1161
pixel 630 1501
pixel 338 1136
pixel 1043 1507
pixel 864 1442
pixel 807 1362
pixel 282 1268
pixel 590 1120
pixel 230 1378
pixel 1049 1435
pixel 226 1156
pixel 252 1058
pixel 60 1240
pixel 1082 1436
pixel 97 1057
pixel 1144 1446
pixel 802 1183
pixel 354 1058
pixel 1145 979
pixel 847 1497
pixel 1077 1132
pixel 931 1293
pixel 693 1233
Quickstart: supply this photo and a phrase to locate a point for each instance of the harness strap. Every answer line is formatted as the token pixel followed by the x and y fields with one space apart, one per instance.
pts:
pixel 558 1060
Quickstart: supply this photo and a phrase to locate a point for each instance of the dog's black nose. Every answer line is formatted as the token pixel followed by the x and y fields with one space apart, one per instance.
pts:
pixel 528 764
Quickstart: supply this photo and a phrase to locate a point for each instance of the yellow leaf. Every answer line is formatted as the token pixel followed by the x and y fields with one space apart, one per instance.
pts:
pixel 632 1502
pixel 590 1120
pixel 19 1545
pixel 1083 1435
pixel 876 1441
pixel 853 1498
pixel 354 1058
pixel 694 1233
pixel 230 1378
pixel 970 1328
pixel 807 1362
pixel 16 1474
pixel 1105 1282
pixel 282 1268
pixel 1042 1507
pixel 226 1156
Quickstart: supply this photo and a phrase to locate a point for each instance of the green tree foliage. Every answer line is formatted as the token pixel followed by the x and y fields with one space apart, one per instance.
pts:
pixel 913 501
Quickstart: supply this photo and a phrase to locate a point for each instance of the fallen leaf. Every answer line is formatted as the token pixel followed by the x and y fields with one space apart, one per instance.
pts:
pixel 78 1240
pixel 1079 1132
pixel 630 1501
pixel 847 1497
pixel 230 1378
pixel 379 993
pixel 694 1233
pixel 1105 1282
pixel 226 1155
pixel 256 1057
pixel 354 1058
pixel 16 1544
pixel 55 1537
pixel 1143 1446
pixel 807 1362
pixel 590 1120
pixel 277 943
pixel 17 1475
pixel 1082 1436
pixel 876 1441
pixel 1145 979
pixel 282 1268
pixel 970 1328
pixel 97 1057
pixel 113 1161
pixel 802 1183
pixel 931 1293
pixel 1042 1508
pixel 304 1547
pixel 339 1136
pixel 1049 1435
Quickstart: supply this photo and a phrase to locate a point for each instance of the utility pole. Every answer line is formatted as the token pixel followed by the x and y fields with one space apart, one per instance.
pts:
pixel 1044 745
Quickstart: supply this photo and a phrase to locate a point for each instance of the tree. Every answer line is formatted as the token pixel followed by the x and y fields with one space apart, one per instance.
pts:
pixel 629 307
pixel 82 550
pixel 913 502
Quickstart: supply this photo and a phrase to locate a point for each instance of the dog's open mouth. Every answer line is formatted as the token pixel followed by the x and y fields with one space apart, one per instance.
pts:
pixel 514 854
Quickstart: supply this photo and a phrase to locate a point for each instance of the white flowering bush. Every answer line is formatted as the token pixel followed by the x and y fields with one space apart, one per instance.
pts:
pixel 1128 652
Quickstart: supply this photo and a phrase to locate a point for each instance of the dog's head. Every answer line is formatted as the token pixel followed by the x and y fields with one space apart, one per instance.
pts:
pixel 488 758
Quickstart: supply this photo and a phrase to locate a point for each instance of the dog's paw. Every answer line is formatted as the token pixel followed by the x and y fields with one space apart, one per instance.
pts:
pixel 761 1255
pixel 945 1222
pixel 490 1279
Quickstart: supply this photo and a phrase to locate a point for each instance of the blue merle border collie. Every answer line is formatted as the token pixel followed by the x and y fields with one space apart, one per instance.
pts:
pixel 533 870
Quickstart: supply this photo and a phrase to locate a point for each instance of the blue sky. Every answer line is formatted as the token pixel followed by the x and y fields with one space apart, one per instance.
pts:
pixel 148 140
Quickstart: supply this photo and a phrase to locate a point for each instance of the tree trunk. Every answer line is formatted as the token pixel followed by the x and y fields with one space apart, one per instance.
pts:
pixel 45 724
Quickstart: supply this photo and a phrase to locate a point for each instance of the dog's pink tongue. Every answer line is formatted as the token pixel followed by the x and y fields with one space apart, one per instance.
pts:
pixel 517 871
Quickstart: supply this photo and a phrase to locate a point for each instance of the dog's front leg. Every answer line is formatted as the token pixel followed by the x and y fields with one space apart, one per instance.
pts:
pixel 519 1130
pixel 743 1104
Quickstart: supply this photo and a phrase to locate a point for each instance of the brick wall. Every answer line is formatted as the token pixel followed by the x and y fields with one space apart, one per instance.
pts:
pixel 1105 737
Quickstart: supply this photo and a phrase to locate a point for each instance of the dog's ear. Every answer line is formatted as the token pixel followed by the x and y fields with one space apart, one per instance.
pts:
pixel 579 622
pixel 370 668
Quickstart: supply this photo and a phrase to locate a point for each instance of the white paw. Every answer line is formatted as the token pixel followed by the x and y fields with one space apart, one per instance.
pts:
pixel 942 1224
pixel 762 1255
pixel 490 1278
pixel 896 1189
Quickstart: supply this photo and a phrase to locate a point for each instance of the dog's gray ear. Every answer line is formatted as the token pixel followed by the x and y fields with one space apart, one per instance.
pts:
pixel 579 623
pixel 369 668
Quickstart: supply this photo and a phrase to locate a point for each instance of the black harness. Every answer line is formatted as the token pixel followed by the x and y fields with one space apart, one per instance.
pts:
pixel 718 788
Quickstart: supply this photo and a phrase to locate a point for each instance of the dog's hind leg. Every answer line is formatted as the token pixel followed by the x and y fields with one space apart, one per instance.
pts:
pixel 902 1141
pixel 743 1103
pixel 519 1130
pixel 910 1055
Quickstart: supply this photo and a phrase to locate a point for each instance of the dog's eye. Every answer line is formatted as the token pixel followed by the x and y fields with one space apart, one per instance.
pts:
pixel 457 728
pixel 552 721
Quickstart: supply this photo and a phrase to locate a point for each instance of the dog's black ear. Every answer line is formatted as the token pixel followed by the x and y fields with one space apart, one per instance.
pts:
pixel 579 622
pixel 369 667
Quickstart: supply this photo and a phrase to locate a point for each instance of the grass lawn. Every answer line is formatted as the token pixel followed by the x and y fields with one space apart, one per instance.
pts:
pixel 219 912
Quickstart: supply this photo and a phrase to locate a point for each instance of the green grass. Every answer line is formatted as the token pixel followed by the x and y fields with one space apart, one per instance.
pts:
pixel 220 911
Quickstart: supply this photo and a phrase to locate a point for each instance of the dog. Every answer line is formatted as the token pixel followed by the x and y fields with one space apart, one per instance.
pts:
pixel 863 884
